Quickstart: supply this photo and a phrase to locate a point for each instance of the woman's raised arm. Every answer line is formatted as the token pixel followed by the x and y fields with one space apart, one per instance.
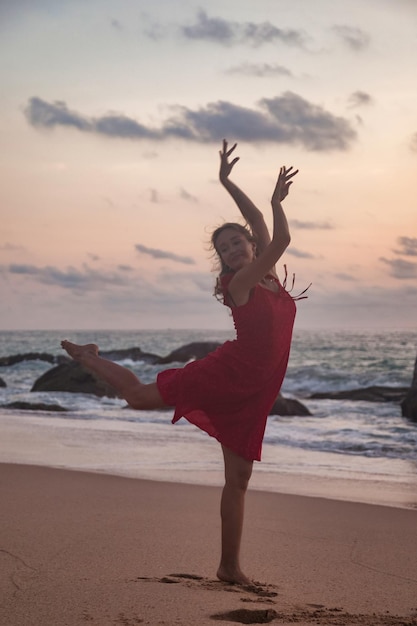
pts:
pixel 252 215
pixel 250 275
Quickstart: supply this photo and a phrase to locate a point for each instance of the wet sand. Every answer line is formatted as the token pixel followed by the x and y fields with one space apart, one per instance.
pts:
pixel 80 548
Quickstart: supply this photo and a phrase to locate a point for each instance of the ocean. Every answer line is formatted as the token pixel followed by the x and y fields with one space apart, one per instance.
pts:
pixel 363 451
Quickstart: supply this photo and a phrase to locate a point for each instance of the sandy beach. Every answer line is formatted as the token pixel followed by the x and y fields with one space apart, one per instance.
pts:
pixel 83 548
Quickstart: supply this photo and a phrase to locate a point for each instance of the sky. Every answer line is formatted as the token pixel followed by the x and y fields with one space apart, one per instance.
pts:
pixel 112 114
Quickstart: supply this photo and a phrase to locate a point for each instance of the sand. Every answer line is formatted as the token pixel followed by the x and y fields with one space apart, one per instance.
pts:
pixel 81 548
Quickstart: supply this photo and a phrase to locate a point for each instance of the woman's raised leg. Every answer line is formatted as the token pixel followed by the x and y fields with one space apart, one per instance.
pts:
pixel 124 382
pixel 237 474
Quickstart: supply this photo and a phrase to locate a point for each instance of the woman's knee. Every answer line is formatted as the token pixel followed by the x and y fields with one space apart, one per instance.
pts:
pixel 239 479
pixel 237 470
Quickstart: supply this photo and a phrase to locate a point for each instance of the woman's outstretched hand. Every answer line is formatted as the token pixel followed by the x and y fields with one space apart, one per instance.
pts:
pixel 283 184
pixel 225 166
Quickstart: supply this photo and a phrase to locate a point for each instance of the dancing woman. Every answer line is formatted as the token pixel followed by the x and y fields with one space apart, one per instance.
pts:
pixel 230 392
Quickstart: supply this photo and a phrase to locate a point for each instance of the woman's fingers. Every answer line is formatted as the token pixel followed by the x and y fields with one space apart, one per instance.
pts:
pixel 287 173
pixel 229 152
pixel 290 175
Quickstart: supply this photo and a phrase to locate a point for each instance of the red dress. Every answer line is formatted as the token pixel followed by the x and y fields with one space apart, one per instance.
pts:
pixel 230 392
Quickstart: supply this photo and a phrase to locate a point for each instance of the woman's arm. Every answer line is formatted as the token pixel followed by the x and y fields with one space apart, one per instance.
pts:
pixel 249 211
pixel 248 276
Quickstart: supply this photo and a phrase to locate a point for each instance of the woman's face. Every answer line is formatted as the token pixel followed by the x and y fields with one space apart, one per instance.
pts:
pixel 234 249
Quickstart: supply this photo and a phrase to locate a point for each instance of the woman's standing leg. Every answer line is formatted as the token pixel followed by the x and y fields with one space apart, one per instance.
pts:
pixel 237 474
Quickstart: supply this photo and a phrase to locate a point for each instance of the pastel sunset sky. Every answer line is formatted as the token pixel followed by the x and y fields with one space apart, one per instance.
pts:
pixel 112 113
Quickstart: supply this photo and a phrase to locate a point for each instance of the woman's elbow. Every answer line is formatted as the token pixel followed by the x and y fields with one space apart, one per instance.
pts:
pixel 286 240
pixel 281 243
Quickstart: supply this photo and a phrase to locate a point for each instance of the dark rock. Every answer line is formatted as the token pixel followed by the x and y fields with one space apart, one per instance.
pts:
pixel 368 394
pixel 409 403
pixel 72 377
pixel 38 406
pixel 134 354
pixel 288 406
pixel 2 383
pixel 28 356
pixel 195 350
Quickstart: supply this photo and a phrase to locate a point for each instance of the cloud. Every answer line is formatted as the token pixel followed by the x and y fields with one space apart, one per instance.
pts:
pixel 185 195
pixel 163 254
pixel 225 32
pixel 150 154
pixel 154 196
pixel 45 115
pixel 42 114
pixel 83 280
pixel 211 29
pixel 401 269
pixel 116 24
pixel 359 98
pixel 311 225
pixel 285 119
pixel 300 254
pixel 10 247
pixel 347 277
pixel 259 70
pixel 109 203
pixel 299 121
pixel 203 281
pixel 408 246
pixel 355 38
pixel 413 143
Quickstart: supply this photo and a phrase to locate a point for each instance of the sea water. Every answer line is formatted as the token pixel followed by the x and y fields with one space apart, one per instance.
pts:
pixel 362 450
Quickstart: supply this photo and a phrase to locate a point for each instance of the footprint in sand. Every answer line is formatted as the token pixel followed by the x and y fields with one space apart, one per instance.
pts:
pixel 258 592
pixel 310 614
pixel 245 616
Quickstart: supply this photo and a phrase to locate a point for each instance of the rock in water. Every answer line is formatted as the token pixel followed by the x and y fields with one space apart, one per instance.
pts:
pixel 409 404
pixel 195 350
pixel 375 393
pixel 135 354
pixel 74 378
pixel 288 406
pixel 28 356
pixel 37 406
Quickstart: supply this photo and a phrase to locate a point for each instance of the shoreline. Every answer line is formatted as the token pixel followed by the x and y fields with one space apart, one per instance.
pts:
pixel 367 492
pixel 83 547
pixel 135 451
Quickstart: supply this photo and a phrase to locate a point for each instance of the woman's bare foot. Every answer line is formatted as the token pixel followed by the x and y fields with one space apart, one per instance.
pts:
pixel 236 577
pixel 79 353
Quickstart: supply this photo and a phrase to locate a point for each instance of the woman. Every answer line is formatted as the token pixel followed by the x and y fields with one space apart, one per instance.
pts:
pixel 229 393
